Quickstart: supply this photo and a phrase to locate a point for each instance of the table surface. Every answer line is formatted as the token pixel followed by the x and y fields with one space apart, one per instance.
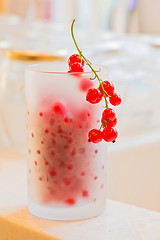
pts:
pixel 119 221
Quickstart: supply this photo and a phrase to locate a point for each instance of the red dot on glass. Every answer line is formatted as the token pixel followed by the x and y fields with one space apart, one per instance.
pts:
pixel 67 181
pixel 102 167
pixel 70 166
pixel 29 150
pixel 102 186
pixel 85 84
pixel 28 113
pixel 35 163
pixel 52 122
pixel 95 178
pixel 70 140
pixel 38 151
pixel 81 150
pixel 66 119
pixel 52 153
pixel 66 146
pixel 82 174
pixel 85 193
pixel 73 152
pixel 46 163
pixel 70 201
pixel 52 191
pixel 42 142
pixel 60 130
pixel 32 135
pixel 53 173
pixel 58 108
pixel 41 114
pixel 46 131
pixel 40 178
pixel 96 151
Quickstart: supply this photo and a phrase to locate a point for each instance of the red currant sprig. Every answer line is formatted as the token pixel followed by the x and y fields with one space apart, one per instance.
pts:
pixel 105 90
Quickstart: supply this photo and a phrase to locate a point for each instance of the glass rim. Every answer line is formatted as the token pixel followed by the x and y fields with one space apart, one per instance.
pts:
pixel 34 68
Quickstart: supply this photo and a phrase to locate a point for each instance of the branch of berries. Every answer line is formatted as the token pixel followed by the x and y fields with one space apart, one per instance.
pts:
pixel 105 90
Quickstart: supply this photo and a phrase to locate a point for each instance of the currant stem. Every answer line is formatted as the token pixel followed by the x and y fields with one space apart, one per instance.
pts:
pixel 88 63
pixel 100 127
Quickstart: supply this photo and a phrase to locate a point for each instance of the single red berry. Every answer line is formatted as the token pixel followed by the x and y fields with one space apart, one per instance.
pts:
pixel 109 123
pixel 110 134
pixel 93 95
pixel 75 58
pixel 108 87
pixel 76 67
pixel 95 136
pixel 115 99
pixel 109 113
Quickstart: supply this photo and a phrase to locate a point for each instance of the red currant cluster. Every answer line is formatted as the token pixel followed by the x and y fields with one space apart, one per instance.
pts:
pixel 108 120
pixel 105 90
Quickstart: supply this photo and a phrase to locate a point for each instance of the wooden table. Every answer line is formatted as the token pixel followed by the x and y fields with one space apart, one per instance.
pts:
pixel 119 221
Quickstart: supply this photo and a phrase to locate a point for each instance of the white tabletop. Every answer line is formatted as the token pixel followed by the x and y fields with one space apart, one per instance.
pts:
pixel 119 221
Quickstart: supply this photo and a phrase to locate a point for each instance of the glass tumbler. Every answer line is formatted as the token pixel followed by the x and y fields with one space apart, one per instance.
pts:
pixel 66 172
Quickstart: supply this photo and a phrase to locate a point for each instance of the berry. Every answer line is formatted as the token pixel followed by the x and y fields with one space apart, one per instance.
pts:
pixel 74 59
pixel 95 136
pixel 76 67
pixel 110 134
pixel 109 123
pixel 93 95
pixel 109 113
pixel 115 99
pixel 108 87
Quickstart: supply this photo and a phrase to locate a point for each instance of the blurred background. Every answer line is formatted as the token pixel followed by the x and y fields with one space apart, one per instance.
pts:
pixel 122 34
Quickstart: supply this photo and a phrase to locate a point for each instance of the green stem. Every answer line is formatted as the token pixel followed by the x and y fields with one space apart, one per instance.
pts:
pixel 88 63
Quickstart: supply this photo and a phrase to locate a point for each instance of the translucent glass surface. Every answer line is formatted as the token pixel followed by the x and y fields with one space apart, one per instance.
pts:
pixel 66 172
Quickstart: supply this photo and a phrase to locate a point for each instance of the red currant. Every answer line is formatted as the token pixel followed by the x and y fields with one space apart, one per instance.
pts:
pixel 108 87
pixel 109 123
pixel 95 136
pixel 110 134
pixel 75 58
pixel 109 113
pixel 93 95
pixel 115 99
pixel 76 67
